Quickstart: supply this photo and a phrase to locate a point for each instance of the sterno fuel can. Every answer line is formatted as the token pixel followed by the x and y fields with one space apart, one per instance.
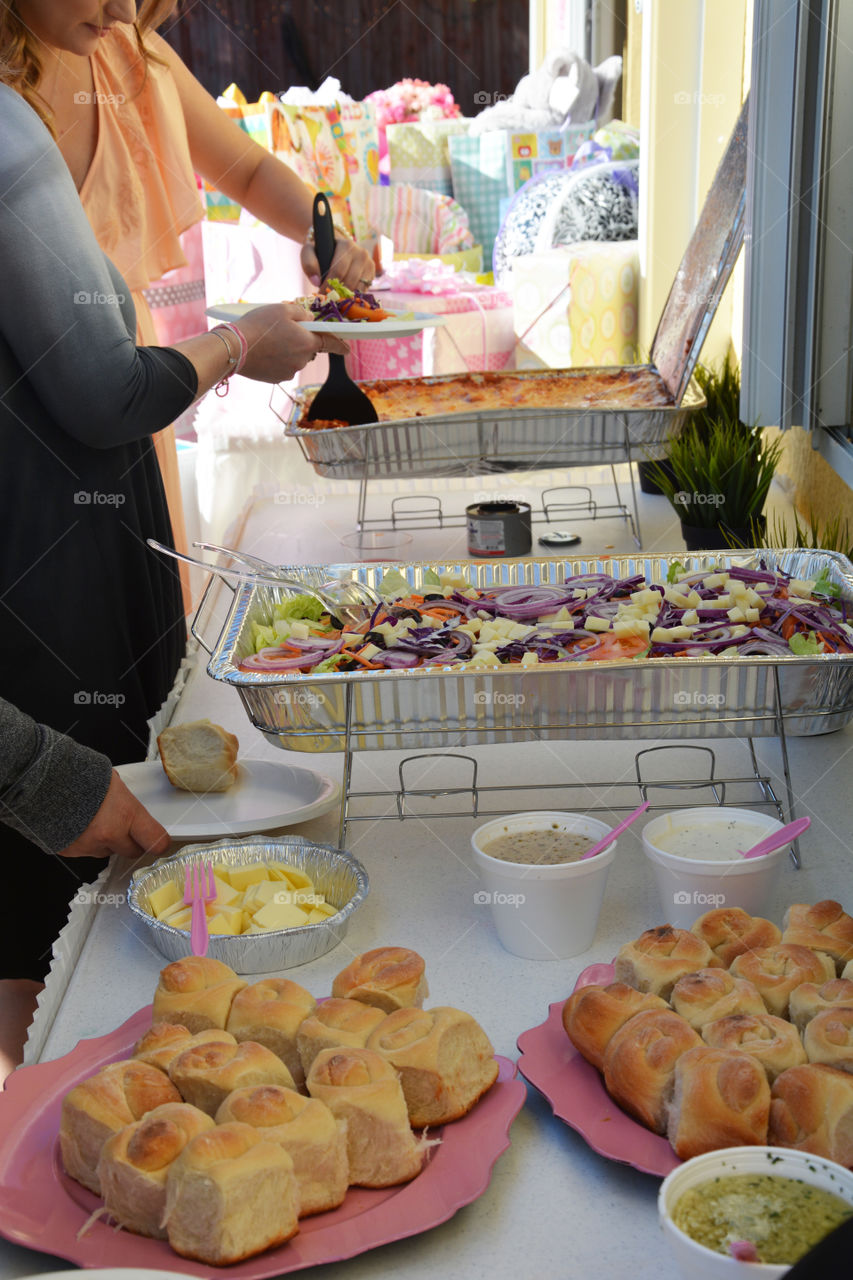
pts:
pixel 499 529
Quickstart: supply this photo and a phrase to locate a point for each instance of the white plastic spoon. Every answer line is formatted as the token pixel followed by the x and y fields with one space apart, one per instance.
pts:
pixel 775 841
pixel 617 831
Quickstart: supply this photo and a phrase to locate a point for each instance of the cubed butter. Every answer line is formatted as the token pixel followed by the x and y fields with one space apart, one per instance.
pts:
pixel 279 915
pixel 253 873
pixel 159 900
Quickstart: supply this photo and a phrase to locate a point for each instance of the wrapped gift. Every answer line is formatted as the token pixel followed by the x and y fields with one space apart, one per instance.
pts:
pixel 419 155
pixel 576 305
pixel 418 221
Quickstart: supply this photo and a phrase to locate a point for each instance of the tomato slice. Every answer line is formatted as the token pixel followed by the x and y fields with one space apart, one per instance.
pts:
pixel 612 647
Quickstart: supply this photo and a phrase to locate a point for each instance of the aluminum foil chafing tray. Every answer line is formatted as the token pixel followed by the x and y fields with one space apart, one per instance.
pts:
pixel 686 697
pixel 604 415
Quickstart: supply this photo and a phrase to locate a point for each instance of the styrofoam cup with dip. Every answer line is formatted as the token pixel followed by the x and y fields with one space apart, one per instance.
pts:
pixel 542 910
pixel 697 1261
pixel 694 854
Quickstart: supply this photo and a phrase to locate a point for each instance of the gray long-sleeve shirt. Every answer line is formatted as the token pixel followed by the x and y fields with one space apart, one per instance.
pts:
pixel 50 786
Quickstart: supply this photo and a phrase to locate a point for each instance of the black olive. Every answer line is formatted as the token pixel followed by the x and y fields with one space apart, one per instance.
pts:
pixel 348 664
pixel 409 613
pixel 377 638
pixel 335 622
pixel 436 596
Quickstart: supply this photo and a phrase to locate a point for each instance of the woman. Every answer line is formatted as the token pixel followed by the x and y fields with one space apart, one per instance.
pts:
pixel 133 124
pixel 92 621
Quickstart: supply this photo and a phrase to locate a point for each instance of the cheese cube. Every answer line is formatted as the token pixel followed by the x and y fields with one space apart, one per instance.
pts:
pixel 715 580
pixel 300 630
pixel 736 614
pixel 690 618
pixel 279 915
pixel 257 895
pixel 530 659
pixel 168 895
pixel 229 921
pixel 226 895
pixel 593 623
pixel 181 919
pixel 483 658
pixel 321 912
pixel 242 877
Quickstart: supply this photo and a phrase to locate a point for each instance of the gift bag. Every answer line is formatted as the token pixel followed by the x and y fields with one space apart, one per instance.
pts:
pixel 419 155
pixel 478 168
pixel 528 154
pixel 254 119
pixel 418 221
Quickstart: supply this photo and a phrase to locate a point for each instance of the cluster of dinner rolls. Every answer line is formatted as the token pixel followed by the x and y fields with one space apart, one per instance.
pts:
pixel 246 1107
pixel 734 1032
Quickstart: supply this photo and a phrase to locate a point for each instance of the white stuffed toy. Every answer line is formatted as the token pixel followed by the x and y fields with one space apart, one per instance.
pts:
pixel 565 90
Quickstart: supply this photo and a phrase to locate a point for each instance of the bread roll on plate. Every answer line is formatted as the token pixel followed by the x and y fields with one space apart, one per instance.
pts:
pixel 345 1023
pixel 135 1163
pixel 444 1058
pixel 808 999
pixel 196 992
pixel 270 1012
pixel 708 994
pixel 640 1060
pixel 199 756
pixel 729 931
pixel 166 1040
pixel 315 1141
pixel 592 1015
pixel 229 1195
pixel 772 1041
pixel 825 927
pixel 206 1074
pixel 811 1109
pixel 776 971
pixel 828 1038
pixel 659 957
pixel 360 1087
pixel 388 977
pixel 98 1107
pixel 720 1098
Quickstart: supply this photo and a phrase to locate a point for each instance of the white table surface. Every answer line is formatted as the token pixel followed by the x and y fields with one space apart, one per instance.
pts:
pixel 553 1207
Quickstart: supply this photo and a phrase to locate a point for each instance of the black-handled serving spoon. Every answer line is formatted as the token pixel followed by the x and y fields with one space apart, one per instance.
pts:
pixel 339 398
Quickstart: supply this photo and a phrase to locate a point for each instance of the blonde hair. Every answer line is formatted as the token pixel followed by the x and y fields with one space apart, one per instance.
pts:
pixel 21 65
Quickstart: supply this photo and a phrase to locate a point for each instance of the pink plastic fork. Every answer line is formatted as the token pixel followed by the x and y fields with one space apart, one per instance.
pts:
pixel 197 892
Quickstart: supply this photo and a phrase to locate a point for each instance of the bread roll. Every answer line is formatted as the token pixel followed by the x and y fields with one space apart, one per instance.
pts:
pixel 196 993
pixel 659 957
pixel 720 1098
pixel 825 927
pixel 713 993
pixel 360 1087
pixel 315 1141
pixel 135 1163
pixel 444 1058
pixel 389 978
pixel 639 1062
pixel 270 1013
pixel 199 756
pixel 774 1043
pixel 334 1023
pixel 808 999
pixel 828 1038
pixel 776 971
pixel 592 1015
pixel 811 1109
pixel 729 931
pixel 206 1074
pixel 166 1040
pixel 229 1195
pixel 98 1107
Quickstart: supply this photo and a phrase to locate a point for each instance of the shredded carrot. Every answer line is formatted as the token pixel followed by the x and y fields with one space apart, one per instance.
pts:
pixel 365 662
pixel 789 626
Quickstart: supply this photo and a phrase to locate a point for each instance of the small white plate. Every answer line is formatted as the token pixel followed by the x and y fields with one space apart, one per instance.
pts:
pixel 393 328
pixel 265 795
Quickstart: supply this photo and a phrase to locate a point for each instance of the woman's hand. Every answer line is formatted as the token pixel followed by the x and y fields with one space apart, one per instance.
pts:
pixel 279 343
pixel 122 825
pixel 351 264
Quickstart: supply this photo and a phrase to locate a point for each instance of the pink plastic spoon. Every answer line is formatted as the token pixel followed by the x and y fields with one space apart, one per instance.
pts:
pixel 784 835
pixel 617 831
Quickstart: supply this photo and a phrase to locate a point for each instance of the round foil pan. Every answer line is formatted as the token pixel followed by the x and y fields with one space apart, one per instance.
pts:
pixel 336 874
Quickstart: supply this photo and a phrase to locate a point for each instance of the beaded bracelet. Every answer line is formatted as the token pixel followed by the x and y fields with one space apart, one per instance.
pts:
pixel 235 363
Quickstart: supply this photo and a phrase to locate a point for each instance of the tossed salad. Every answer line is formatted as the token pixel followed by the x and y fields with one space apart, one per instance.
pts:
pixel 735 612
pixel 336 302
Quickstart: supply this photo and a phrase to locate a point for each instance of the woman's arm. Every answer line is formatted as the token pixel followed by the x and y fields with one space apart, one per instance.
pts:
pixel 227 157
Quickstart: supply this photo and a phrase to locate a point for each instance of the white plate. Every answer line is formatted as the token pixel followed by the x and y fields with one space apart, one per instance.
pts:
pixel 265 795
pixel 111 1273
pixel 396 328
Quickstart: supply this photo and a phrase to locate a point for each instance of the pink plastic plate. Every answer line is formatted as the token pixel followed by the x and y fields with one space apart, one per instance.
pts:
pixel 42 1208
pixel 577 1095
